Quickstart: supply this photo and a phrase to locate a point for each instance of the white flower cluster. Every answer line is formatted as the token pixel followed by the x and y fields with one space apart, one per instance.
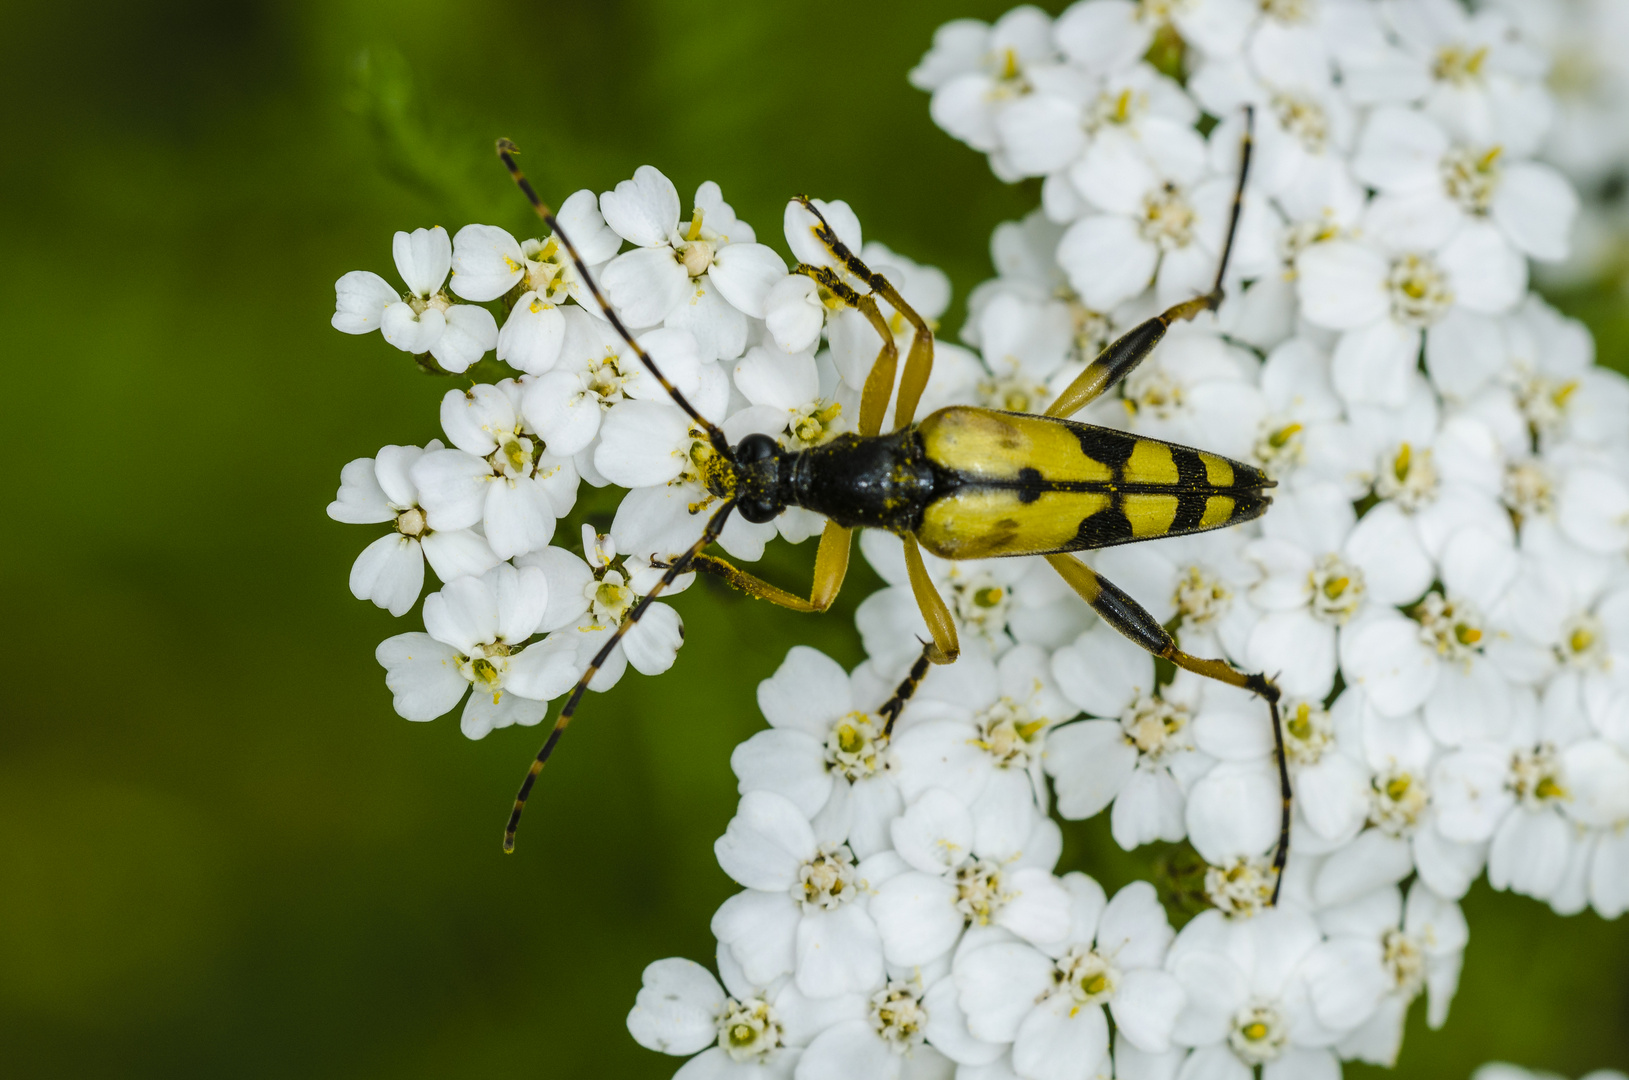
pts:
pixel 1589 141
pixel 1436 587
pixel 518 618
pixel 1441 587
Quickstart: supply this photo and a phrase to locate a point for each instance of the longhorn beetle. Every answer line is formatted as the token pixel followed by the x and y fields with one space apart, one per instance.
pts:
pixel 964 483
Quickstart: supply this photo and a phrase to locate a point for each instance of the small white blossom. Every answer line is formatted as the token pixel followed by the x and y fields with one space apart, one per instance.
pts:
pixel 423 319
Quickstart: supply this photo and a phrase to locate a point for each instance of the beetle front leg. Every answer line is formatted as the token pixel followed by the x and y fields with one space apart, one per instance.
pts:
pixel 919 360
pixel 831 566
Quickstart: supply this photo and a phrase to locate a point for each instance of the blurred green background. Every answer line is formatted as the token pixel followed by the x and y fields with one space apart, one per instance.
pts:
pixel 220 851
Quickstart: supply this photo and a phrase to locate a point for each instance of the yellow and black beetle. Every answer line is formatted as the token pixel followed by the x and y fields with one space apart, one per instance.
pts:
pixel 963 483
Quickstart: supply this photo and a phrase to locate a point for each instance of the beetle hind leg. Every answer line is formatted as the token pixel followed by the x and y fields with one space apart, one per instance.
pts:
pixel 1130 618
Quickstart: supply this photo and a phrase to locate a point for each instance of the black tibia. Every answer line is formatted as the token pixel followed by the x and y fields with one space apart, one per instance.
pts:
pixel 881 482
pixel 1120 611
pixel 1121 357
pixel 890 709
pixel 1118 360
pixel 1129 617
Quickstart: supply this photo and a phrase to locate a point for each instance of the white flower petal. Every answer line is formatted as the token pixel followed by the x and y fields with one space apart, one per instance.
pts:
pixel 486 262
pixel 642 444
pixel 807 692
pixel 1107 260
pixel 838 951
pixel 546 669
pixel 1234 811
pixel 1145 1008
pixel 423 258
pixel 644 210
pixel 745 274
pixel 389 572
pixel 935 834
pixel 1536 207
pixel 645 284
pixel 360 300
pixel 765 842
pixel 1384 655
pixel 917 917
pixel 423 675
pixel 1341 285
pixel 1058 1037
pixel 518 516
pixel 677 1009
pixel 794 314
pixel 653 643
pixel 1037 907
pixel 1488 275
pixel 848 1050
pixel 458 553
pixel 410 331
pixel 791 763
pixel 532 335
pixel 997 985
pixel 760 930
pixel 1091 763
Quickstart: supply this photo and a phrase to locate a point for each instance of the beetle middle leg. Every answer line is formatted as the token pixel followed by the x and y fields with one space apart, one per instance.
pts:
pixel 1127 616
pixel 1117 360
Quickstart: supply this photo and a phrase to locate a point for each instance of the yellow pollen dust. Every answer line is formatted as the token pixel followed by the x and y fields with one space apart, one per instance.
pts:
pixel 1122 107
pixel 988 597
pixel 1255 1032
pixel 1397 787
pixel 1400 466
pixel 1300 724
pixel 1466 635
pixel 1456 64
pixel 1283 435
pixel 1581 640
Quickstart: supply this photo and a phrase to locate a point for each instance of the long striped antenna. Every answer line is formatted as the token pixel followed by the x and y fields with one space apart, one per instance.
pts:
pixel 715 526
pixel 1215 295
pixel 507 151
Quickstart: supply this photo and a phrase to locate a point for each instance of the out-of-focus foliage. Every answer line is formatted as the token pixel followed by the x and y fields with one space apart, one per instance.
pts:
pixel 220 851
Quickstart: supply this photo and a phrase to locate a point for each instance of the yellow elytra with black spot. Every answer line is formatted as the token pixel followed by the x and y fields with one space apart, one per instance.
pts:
pixel 974 483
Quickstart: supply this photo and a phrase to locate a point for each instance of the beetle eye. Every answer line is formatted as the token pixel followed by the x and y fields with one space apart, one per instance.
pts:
pixel 758 511
pixel 756 447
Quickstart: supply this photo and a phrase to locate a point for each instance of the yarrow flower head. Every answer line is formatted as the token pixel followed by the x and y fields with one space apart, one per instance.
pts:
pixel 1436 592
